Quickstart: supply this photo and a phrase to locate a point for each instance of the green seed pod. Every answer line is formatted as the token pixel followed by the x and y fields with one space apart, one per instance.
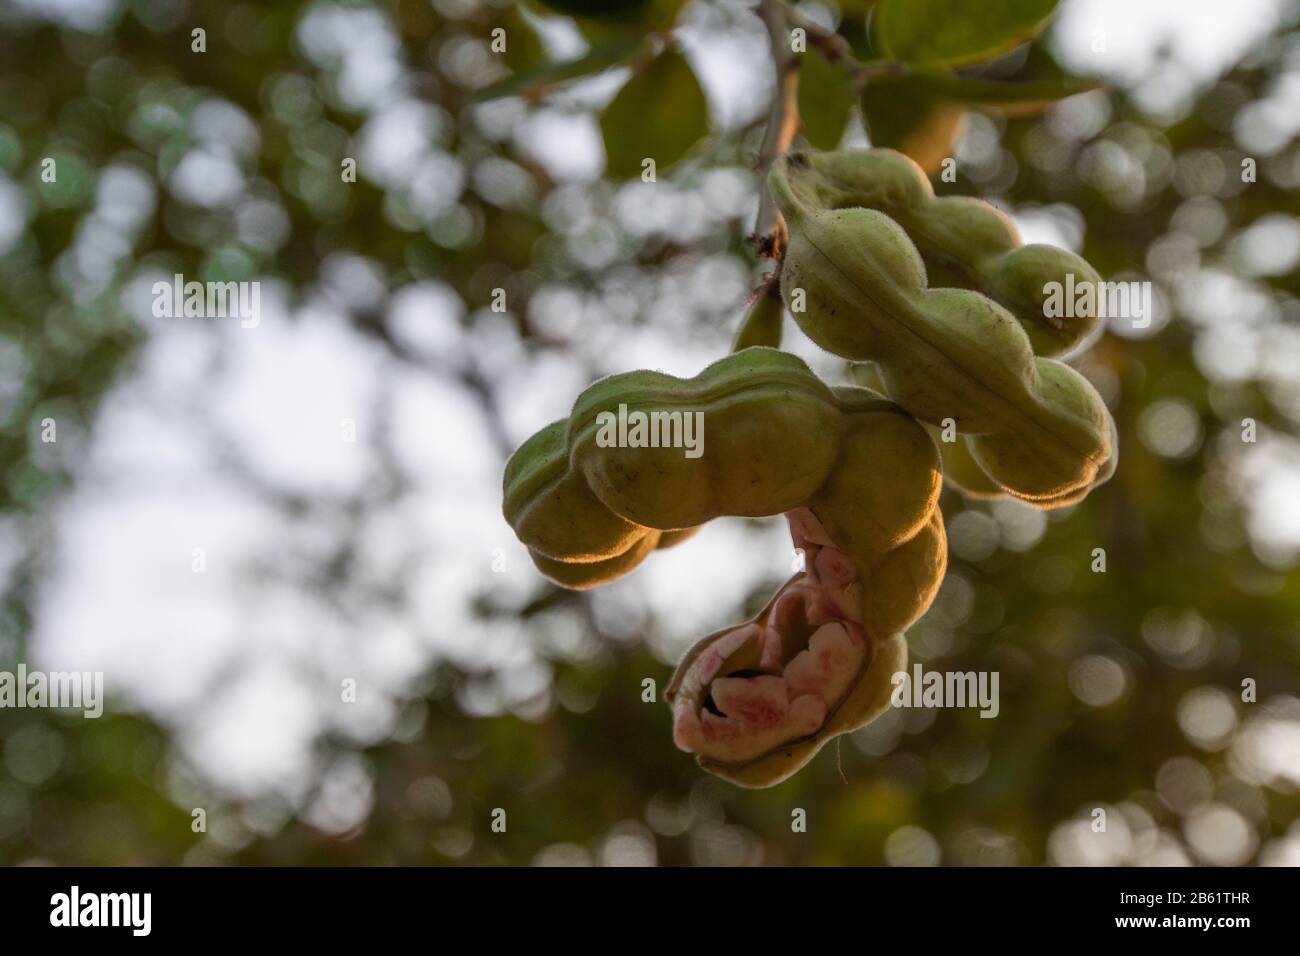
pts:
pixel 856 477
pixel 669 538
pixel 581 575
pixel 1018 281
pixel 962 472
pixel 965 243
pixel 763 440
pixel 554 511
pixel 773 438
pixel 856 284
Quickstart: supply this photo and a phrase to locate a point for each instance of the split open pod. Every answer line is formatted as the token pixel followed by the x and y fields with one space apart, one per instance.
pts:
pixel 856 477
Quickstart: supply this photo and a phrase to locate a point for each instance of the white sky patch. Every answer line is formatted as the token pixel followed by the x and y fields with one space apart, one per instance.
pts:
pixel 245 658
pixel 255 734
pixel 222 123
pixel 440 435
pixel 1272 473
pixel 286 392
pixel 124 599
pixel 1056 225
pixel 425 317
pixel 688 583
pixel 731 61
pixel 1120 39
pixel 82 14
pixel 560 36
pixel 207 176
pixel 397 138
pixel 359 48
pixel 567 143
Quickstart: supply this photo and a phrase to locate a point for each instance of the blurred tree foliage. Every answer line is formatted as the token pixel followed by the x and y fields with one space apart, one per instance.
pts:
pixel 1186 602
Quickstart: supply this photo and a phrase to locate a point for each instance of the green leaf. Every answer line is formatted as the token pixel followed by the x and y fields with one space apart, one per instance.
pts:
pixel 762 324
pixel 659 114
pixel 902 113
pixel 918 113
pixel 541 78
pixel 599 9
pixel 1013 97
pixel 825 100
pixel 524 50
pixel 937 33
pixel 855 8
pixel 601 20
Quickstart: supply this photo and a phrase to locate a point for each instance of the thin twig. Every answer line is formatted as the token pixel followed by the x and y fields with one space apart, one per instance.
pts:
pixel 863 73
pixel 830 44
pixel 782 123
pixel 837 51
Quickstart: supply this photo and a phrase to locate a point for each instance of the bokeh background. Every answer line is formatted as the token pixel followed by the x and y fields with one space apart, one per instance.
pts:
pixel 385 561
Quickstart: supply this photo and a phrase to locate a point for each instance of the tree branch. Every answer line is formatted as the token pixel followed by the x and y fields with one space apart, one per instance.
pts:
pixel 830 44
pixel 836 50
pixel 783 121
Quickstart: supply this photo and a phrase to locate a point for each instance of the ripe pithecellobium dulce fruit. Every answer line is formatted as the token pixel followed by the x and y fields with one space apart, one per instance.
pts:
pixel 960 470
pixel 856 477
pixel 856 284
pixel 963 473
pixel 965 243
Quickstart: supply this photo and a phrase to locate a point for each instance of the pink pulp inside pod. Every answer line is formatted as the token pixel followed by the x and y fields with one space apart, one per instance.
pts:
pixel 777 678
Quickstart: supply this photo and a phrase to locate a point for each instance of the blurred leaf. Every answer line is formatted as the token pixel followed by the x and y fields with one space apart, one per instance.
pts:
pixel 1013 97
pixel 856 8
pixel 597 9
pixel 918 113
pixel 603 20
pixel 952 32
pixel 762 324
pixel 659 114
pixel 903 114
pixel 524 50
pixel 550 74
pixel 825 99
